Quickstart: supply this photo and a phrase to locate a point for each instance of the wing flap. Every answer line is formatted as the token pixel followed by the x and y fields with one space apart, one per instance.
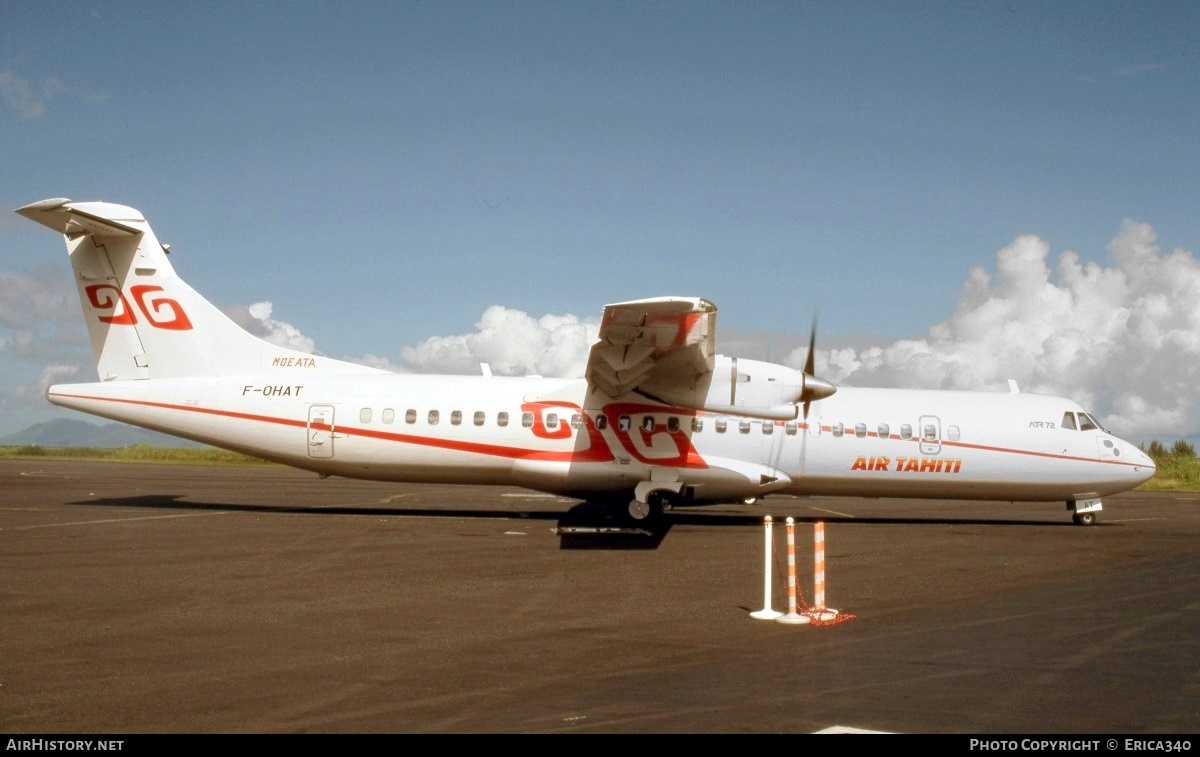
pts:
pixel 662 341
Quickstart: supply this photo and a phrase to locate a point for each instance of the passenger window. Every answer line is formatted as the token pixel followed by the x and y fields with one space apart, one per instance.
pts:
pixel 364 415
pixel 624 423
pixel 931 433
pixel 768 427
pixel 697 423
pixel 410 416
pixel 456 417
pixel 838 429
pixel 648 423
pixel 1069 421
pixel 952 433
pixel 744 425
pixel 576 420
pixel 672 424
pixel 501 419
pixel 551 420
pixel 389 415
pixel 885 431
pixel 906 432
pixel 720 424
pixel 601 421
pixel 479 417
pixel 527 420
pixel 860 430
pixel 434 416
pixel 790 428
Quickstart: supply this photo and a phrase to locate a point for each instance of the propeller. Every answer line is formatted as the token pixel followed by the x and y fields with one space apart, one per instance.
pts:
pixel 814 388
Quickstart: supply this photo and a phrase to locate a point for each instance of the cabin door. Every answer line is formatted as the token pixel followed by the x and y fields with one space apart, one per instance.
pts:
pixel 320 431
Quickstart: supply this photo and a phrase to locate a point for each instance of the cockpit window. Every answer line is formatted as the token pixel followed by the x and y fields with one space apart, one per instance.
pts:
pixel 1069 421
pixel 1086 423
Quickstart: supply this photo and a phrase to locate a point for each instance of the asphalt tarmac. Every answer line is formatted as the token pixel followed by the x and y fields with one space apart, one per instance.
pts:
pixel 148 599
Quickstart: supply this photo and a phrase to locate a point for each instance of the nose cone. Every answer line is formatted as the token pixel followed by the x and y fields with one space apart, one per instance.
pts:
pixel 1143 466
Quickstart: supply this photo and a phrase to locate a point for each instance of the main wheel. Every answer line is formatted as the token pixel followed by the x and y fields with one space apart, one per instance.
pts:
pixel 640 511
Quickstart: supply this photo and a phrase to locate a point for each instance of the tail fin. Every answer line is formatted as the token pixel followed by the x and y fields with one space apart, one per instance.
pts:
pixel 143 320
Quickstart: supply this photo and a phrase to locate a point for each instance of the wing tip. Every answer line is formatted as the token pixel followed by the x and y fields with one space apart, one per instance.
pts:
pixel 667 305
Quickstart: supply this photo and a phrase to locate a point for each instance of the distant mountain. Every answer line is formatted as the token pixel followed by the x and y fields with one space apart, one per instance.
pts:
pixel 66 432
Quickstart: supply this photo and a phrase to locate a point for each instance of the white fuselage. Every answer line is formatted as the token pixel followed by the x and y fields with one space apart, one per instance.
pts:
pixel 559 438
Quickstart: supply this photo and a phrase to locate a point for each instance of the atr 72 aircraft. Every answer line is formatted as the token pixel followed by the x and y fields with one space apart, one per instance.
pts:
pixel 658 421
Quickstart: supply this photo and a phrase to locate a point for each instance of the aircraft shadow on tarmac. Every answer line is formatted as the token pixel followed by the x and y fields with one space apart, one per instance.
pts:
pixel 585 525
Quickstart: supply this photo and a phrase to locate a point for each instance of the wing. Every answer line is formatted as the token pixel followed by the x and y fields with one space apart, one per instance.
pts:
pixel 654 344
pixel 664 349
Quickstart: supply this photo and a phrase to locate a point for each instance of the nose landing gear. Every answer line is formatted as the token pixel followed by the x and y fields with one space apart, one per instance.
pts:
pixel 1084 512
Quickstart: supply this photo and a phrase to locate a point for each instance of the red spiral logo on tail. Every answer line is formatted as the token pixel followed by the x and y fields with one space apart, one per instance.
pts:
pixel 178 320
pixel 101 298
pixel 160 312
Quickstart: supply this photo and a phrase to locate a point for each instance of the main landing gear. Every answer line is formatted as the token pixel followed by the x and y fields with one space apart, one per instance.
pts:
pixel 651 509
pixel 652 498
pixel 648 505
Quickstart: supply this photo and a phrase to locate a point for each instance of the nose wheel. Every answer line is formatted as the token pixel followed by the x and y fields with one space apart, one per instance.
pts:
pixel 1084 512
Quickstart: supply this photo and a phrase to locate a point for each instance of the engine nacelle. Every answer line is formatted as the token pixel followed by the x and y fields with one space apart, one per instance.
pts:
pixel 738 386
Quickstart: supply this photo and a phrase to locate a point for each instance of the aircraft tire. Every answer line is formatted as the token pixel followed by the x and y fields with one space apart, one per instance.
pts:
pixel 1084 519
pixel 640 511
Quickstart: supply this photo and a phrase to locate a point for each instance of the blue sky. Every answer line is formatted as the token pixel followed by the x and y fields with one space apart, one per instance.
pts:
pixel 384 173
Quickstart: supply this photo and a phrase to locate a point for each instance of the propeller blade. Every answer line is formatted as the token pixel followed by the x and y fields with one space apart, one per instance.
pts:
pixel 810 363
pixel 814 388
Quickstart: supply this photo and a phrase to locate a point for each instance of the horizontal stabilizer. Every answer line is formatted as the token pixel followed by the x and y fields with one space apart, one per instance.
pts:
pixel 76 218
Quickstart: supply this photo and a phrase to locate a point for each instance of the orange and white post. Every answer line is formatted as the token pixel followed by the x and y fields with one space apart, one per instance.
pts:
pixel 819 610
pixel 792 615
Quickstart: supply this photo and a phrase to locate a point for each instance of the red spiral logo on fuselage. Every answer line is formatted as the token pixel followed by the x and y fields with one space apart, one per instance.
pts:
pixel 659 445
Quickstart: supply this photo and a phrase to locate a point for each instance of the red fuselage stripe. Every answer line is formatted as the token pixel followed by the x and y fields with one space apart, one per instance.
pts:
pixel 494 450
pixel 497 450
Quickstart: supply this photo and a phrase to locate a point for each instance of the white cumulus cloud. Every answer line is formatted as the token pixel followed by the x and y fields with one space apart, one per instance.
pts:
pixel 1122 339
pixel 28 98
pixel 513 343
pixel 45 294
pixel 40 313
pixel 50 375
pixel 258 321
